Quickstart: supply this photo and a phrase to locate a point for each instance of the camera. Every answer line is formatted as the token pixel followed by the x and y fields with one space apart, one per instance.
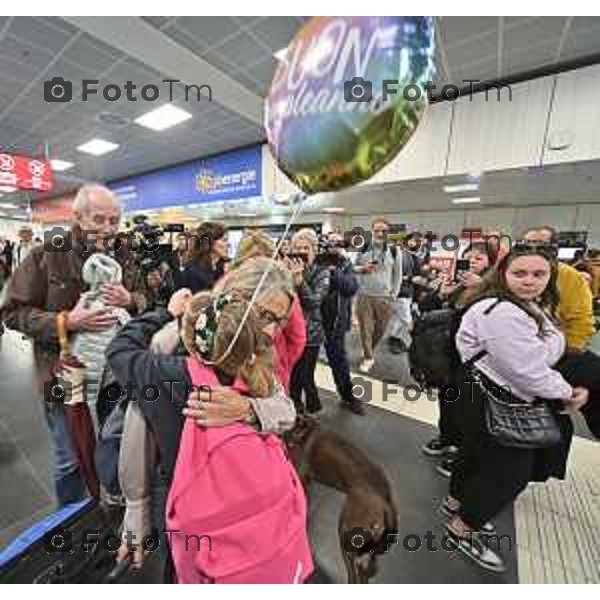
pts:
pixel 58 541
pixel 362 390
pixel 358 89
pixel 357 540
pixel 58 89
pixel 357 239
pixel 58 240
pixel 57 391
pixel 328 253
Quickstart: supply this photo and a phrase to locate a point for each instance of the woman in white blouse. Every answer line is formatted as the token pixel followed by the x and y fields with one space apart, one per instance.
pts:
pixel 521 344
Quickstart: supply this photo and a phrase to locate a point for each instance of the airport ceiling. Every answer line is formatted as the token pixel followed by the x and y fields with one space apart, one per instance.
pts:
pixel 235 55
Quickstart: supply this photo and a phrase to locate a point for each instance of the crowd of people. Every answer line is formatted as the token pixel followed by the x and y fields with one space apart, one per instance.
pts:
pixel 251 327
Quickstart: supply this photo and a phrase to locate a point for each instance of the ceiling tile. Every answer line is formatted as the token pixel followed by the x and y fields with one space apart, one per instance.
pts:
pixel 276 32
pixel 11 48
pixel 211 31
pixel 215 58
pixel 583 43
pixel 457 30
pixel 241 50
pixel 583 23
pixel 86 53
pixel 185 39
pixel 21 72
pixel 40 34
pixel 529 33
pixel 528 59
pixel 59 24
pixel 156 21
pixel 263 74
pixel 484 70
pixel 247 21
pixel 474 51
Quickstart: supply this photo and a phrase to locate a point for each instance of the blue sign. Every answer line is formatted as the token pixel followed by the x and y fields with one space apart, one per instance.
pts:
pixel 229 176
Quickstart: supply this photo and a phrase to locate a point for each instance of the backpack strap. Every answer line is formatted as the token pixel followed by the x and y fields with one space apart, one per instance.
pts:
pixel 479 355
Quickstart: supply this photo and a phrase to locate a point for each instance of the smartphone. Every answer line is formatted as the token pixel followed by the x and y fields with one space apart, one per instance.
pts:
pixel 462 266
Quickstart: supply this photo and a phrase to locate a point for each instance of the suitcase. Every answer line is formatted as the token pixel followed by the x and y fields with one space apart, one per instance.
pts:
pixel 75 544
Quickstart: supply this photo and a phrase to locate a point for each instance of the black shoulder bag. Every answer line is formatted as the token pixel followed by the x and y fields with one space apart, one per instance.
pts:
pixel 509 420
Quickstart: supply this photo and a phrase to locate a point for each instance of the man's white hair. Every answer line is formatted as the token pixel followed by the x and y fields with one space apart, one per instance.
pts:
pixel 82 199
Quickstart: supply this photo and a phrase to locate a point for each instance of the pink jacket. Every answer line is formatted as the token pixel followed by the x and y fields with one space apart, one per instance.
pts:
pixel 236 510
pixel 289 343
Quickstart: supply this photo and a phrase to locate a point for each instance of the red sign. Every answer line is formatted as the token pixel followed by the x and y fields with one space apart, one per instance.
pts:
pixel 53 210
pixel 25 173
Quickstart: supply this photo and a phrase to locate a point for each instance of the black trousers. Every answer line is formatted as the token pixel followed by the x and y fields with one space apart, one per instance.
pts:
pixel 488 477
pixel 449 429
pixel 302 381
pixel 583 370
pixel 337 357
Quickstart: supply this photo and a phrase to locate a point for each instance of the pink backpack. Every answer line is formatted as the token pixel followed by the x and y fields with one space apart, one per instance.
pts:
pixel 237 488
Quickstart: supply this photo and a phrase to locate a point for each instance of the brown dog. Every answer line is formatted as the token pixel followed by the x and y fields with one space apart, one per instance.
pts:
pixel 326 457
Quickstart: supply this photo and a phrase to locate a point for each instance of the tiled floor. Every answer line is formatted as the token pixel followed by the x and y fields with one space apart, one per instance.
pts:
pixel 557 523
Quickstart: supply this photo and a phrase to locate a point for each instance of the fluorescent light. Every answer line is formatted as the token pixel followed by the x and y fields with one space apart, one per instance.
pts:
pixel 463 187
pixel 281 54
pixel 465 200
pixel 7 189
pixel 61 165
pixel 8 205
pixel 97 147
pixel 248 214
pixel 164 117
pixel 334 209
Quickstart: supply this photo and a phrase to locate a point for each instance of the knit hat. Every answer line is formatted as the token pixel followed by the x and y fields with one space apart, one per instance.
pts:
pixel 99 269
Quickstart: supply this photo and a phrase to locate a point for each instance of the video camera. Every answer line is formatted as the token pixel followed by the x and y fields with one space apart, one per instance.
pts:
pixel 148 251
pixel 328 254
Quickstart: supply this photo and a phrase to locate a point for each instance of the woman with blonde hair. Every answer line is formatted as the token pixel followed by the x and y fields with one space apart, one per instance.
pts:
pixel 290 341
pixel 233 483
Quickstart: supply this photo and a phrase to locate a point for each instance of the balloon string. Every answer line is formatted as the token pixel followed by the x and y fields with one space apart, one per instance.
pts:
pixel 300 197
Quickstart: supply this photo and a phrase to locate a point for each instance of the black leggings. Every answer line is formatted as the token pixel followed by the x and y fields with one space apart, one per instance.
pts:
pixel 303 380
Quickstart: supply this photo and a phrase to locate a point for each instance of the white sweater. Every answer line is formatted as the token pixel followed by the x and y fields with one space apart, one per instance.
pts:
pixel 517 357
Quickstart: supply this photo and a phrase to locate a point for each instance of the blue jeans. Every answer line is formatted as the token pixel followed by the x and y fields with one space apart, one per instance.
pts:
pixel 69 485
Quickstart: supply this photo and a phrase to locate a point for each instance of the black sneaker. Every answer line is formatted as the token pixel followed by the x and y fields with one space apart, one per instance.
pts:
pixel 445 467
pixel 474 548
pixel 356 406
pixel 436 447
pixel 486 529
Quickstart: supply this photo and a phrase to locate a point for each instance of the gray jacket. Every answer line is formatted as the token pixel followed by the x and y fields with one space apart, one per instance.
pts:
pixel 386 280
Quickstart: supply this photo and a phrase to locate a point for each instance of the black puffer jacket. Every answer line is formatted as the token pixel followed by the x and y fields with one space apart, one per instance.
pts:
pixel 336 307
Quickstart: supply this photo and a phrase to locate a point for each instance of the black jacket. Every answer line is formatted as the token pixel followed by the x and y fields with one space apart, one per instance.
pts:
pixel 197 278
pixel 336 308
pixel 137 368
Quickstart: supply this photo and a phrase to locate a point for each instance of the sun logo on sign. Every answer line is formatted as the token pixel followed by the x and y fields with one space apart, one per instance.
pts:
pixel 205 180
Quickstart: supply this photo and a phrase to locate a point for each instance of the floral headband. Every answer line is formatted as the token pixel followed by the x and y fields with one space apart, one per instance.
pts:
pixel 206 325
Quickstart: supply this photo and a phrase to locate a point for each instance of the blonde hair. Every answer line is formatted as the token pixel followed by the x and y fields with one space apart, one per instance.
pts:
pixel 251 356
pixel 254 243
pixel 308 235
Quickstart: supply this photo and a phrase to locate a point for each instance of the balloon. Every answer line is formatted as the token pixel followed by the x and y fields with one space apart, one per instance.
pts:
pixel 331 118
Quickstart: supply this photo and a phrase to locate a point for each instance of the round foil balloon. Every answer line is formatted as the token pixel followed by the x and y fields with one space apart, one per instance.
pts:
pixel 347 96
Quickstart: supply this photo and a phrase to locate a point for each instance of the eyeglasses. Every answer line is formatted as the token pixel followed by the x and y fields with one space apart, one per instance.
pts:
pixel 269 317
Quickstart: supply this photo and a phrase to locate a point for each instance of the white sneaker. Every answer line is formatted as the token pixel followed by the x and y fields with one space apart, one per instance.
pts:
pixel 366 364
